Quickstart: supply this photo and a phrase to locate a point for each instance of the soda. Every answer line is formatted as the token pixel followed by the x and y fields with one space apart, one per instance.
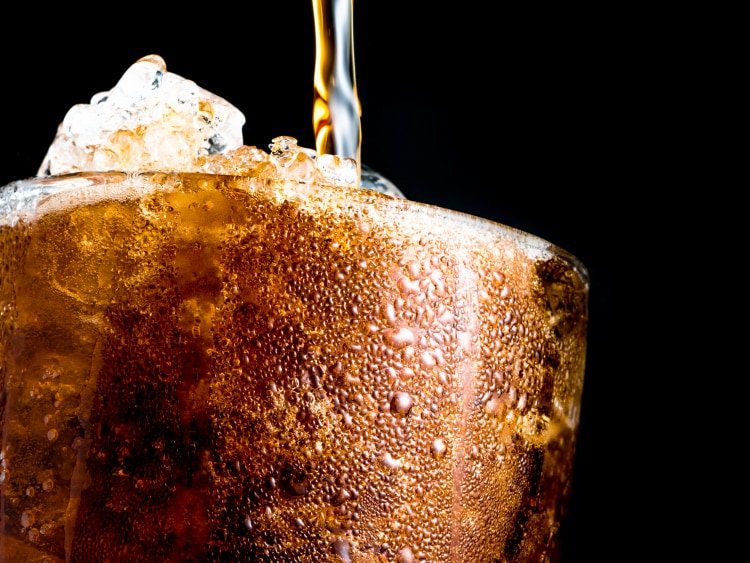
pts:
pixel 204 367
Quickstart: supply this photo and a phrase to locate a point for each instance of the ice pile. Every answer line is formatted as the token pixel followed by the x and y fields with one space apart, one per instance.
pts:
pixel 151 120
pixel 154 120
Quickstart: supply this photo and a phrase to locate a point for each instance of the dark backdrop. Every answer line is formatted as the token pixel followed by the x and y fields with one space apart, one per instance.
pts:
pixel 524 117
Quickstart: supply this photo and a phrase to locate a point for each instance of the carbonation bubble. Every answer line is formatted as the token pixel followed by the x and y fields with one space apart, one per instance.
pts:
pixel 342 549
pixel 401 337
pixel 406 556
pixel 27 519
pixel 428 360
pixel 438 448
pixel 390 462
pixel 401 404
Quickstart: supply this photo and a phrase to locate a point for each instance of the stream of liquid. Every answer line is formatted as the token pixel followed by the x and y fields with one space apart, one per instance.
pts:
pixel 336 107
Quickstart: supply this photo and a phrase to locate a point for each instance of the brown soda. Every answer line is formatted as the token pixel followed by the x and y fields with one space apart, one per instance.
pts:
pixel 200 367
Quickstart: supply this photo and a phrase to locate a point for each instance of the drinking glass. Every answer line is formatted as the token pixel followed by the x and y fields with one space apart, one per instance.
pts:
pixel 202 367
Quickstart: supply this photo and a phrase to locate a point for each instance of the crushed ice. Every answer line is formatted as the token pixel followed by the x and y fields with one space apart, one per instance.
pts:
pixel 154 120
pixel 151 120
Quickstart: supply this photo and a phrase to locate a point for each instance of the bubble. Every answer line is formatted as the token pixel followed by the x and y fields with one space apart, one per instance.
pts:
pixel 401 337
pixel 407 373
pixel 439 448
pixel 27 519
pixel 428 360
pixel 408 287
pixel 406 555
pixel 50 373
pixel 401 404
pixel 341 497
pixel 391 462
pixel 522 401
pixel 52 435
pixel 498 405
pixel 48 485
pixel 342 548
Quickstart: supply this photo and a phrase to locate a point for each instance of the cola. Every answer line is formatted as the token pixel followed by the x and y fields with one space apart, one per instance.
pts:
pixel 205 367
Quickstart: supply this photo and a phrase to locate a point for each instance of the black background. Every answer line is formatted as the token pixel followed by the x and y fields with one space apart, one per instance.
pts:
pixel 529 117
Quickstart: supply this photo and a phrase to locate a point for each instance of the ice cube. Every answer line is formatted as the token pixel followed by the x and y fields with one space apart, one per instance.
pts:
pixel 151 120
pixel 154 120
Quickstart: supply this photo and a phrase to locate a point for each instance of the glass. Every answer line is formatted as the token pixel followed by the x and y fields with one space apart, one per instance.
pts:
pixel 200 367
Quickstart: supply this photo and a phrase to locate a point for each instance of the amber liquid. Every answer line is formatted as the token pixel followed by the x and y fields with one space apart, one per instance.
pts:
pixel 206 368
pixel 336 108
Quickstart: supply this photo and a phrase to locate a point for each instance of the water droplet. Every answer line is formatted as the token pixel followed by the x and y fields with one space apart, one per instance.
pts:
pixel 342 548
pixel 408 287
pixel 439 448
pixel 401 404
pixel 391 462
pixel 27 519
pixel 428 360
pixel 341 497
pixel 407 373
pixel 406 556
pixel 522 401
pixel 401 337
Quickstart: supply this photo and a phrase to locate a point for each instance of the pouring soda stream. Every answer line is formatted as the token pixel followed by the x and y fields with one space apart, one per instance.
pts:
pixel 336 107
pixel 209 352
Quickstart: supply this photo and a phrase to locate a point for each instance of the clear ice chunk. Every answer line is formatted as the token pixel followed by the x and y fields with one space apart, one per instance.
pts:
pixel 151 120
pixel 154 120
